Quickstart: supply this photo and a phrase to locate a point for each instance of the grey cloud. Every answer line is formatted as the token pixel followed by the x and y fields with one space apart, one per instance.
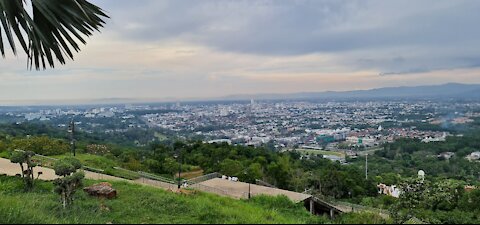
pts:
pixel 446 29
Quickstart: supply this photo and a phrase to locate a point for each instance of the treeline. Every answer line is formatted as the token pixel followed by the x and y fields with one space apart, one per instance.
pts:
pixel 284 170
pixel 131 138
pixel 437 201
pixel 407 156
pixel 42 145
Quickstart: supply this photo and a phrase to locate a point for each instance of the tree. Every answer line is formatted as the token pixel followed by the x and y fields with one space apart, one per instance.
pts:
pixel 51 30
pixel 231 168
pixel 469 201
pixel 70 179
pixel 25 158
pixel 414 194
pixel 41 145
pixel 254 172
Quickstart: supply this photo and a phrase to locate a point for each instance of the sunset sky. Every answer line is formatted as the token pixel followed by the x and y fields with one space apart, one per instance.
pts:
pixel 179 49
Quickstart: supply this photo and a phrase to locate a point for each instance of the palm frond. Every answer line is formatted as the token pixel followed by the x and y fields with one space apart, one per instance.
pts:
pixel 12 15
pixel 54 31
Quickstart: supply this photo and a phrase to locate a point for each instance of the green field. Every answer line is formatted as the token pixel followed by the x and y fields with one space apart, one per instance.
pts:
pixel 139 204
pixel 319 152
pixel 160 136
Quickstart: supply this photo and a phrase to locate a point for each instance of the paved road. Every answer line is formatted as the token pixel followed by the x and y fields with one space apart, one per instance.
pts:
pixel 240 190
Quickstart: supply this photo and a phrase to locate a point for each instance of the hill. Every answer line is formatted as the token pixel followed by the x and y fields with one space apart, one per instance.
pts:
pixel 139 204
pixel 450 90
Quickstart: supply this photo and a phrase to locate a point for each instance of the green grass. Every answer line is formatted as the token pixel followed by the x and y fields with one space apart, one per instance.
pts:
pixel 4 154
pixel 160 136
pixel 320 152
pixel 140 204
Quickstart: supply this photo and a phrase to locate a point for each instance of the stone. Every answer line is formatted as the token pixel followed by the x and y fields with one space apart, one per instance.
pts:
pixel 102 190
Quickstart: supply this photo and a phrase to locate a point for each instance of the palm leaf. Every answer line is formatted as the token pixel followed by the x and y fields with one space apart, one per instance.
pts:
pixel 54 31
pixel 12 14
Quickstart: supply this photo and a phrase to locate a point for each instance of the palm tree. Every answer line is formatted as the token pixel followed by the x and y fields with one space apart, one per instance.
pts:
pixel 50 31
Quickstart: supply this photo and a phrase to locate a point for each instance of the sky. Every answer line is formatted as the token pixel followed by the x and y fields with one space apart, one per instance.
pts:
pixel 190 49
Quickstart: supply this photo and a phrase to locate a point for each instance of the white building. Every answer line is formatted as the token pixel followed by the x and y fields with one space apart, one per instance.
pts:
pixel 389 190
pixel 474 156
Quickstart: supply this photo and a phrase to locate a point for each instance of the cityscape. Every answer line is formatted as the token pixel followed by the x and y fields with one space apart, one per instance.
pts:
pixel 281 125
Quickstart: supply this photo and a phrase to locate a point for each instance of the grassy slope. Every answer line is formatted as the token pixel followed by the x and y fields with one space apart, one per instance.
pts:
pixel 139 204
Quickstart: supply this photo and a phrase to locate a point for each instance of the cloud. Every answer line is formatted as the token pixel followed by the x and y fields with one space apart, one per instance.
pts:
pixel 286 28
pixel 182 48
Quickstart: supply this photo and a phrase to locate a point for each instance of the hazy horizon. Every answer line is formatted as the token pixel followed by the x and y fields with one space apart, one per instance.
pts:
pixel 184 50
pixel 232 97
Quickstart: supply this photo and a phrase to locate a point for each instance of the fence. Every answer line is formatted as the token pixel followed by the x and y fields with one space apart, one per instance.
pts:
pixel 263 183
pixel 213 190
pixel 155 177
pixel 204 178
pixel 157 183
pixel 360 208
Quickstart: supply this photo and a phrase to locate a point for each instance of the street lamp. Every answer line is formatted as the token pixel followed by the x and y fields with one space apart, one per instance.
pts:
pixel 249 186
pixel 178 156
pixel 350 195
pixel 71 130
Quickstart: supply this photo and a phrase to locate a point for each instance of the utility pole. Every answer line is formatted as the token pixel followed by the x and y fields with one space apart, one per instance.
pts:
pixel 71 130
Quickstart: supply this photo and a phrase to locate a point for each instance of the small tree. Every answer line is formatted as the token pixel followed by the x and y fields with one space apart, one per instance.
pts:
pixel 414 194
pixel 70 179
pixel 25 158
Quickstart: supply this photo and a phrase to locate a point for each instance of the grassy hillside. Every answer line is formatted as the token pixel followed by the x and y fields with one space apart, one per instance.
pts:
pixel 139 204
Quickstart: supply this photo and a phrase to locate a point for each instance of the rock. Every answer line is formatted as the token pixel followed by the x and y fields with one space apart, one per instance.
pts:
pixel 102 190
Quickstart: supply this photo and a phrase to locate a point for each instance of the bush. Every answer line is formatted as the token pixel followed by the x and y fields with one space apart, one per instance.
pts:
pixel 70 181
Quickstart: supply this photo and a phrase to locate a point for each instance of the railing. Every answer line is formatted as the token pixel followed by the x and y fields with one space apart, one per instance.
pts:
pixel 263 183
pixel 204 188
pixel 203 178
pixel 95 170
pixel 157 183
pixel 155 177
pixel 328 204
pixel 360 208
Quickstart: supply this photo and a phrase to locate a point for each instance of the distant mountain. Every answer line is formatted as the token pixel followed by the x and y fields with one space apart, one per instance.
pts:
pixel 450 90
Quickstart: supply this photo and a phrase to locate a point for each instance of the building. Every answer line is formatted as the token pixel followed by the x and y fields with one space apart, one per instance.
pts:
pixel 219 141
pixel 389 190
pixel 446 155
pixel 325 139
pixel 474 156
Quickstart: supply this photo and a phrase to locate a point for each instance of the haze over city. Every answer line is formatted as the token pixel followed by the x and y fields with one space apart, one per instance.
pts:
pixel 174 50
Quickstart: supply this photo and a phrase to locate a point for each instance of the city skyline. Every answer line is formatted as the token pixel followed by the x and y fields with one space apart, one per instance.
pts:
pixel 188 49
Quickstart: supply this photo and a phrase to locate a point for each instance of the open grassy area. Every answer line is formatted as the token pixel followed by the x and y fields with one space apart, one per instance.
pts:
pixel 160 136
pixel 140 204
pixel 320 152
